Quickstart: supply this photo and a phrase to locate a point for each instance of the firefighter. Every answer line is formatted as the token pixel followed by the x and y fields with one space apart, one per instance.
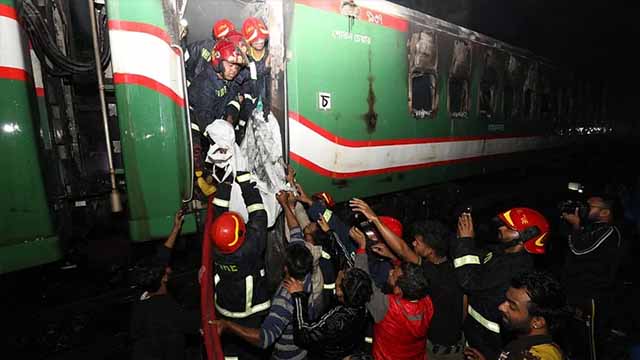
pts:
pixel 245 86
pixel 198 54
pixel 485 275
pixel 256 34
pixel 212 96
pixel 240 283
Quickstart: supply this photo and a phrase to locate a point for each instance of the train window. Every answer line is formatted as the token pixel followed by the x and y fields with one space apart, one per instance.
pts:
pixel 511 98
pixel 546 99
pixel 529 106
pixel 488 86
pixel 423 74
pixel 459 79
pixel 423 95
pixel 507 102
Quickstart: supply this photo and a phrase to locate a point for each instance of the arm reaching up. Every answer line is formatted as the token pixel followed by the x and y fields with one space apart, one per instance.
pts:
pixel 394 242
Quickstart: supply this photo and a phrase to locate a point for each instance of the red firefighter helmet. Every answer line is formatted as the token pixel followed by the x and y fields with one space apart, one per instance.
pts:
pixel 226 50
pixel 393 224
pixel 326 197
pixel 227 232
pixel 238 40
pixel 530 224
pixel 222 28
pixel 254 29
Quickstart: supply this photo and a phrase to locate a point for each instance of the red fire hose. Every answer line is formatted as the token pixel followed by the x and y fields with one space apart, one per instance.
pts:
pixel 210 335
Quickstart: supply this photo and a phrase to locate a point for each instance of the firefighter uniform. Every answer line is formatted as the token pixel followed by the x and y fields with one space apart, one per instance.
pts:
pixel 241 293
pixel 210 98
pixel 197 57
pixel 485 277
pixel 328 270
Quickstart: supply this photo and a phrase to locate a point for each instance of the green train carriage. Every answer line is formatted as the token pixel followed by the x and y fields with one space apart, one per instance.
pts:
pixel 372 98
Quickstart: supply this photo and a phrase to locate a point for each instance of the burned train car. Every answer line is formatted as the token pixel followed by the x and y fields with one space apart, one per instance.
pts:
pixel 371 98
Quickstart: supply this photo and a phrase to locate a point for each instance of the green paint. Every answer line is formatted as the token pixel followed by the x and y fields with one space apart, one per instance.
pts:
pixel 152 132
pixel 24 211
pixel 323 60
pixel 144 11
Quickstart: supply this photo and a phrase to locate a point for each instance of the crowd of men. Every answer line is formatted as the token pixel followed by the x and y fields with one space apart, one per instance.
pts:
pixel 427 292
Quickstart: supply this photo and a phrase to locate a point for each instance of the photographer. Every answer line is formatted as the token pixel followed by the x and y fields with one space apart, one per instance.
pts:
pixel 591 266
pixel 485 274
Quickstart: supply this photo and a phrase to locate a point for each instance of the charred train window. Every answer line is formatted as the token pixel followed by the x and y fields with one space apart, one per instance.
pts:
pixel 512 92
pixel 459 79
pixel 488 86
pixel 423 74
pixel 507 105
pixel 530 89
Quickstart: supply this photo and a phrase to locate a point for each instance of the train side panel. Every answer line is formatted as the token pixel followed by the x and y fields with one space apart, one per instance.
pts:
pixel 26 232
pixel 151 114
pixel 353 130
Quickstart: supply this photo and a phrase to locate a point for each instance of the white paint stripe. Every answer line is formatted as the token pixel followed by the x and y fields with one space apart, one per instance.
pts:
pixel 11 47
pixel 143 54
pixel 343 159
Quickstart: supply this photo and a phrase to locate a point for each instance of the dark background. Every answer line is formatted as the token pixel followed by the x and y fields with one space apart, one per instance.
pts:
pixel 596 39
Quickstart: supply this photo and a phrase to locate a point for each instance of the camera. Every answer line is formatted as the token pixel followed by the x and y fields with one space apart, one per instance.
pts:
pixel 570 206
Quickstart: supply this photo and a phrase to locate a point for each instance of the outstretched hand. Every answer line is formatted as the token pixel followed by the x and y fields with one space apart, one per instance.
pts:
pixel 465 226
pixel 362 207
pixel 178 219
pixel 358 236
pixel 324 226
pixel 282 197
pixel 302 196
pixel 291 175
pixel 292 285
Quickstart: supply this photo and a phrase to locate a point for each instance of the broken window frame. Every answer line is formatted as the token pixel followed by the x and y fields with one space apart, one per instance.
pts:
pixel 418 71
pixel 490 85
pixel 460 76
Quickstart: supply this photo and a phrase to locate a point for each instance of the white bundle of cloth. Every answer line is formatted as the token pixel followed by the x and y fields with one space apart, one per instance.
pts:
pixel 259 153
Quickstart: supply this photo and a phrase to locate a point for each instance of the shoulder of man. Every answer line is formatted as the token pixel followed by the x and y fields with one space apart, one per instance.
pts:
pixel 549 351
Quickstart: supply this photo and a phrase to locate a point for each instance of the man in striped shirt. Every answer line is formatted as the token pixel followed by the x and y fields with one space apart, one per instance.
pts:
pixel 277 328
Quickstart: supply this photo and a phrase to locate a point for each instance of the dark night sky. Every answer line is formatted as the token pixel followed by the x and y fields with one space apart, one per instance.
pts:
pixel 583 35
pixel 572 32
